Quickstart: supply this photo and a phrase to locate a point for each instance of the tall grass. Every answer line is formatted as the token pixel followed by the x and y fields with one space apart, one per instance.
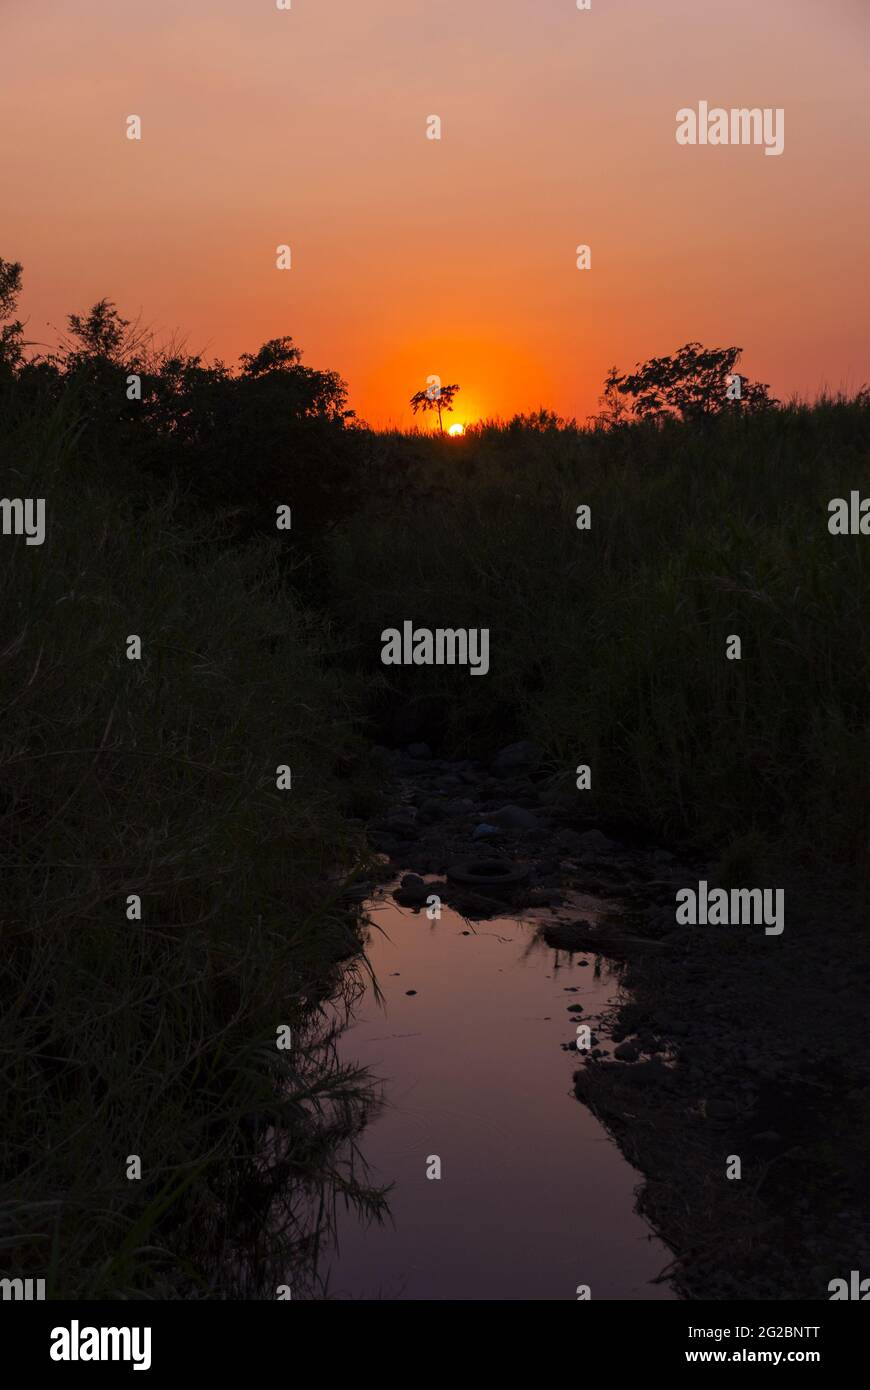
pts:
pixel 608 646
pixel 157 778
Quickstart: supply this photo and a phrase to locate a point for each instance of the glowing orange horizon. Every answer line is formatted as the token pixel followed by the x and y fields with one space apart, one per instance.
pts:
pixel 455 256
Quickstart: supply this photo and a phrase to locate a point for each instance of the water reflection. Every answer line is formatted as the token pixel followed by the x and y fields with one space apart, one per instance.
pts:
pixel 302 1166
pixel 533 1198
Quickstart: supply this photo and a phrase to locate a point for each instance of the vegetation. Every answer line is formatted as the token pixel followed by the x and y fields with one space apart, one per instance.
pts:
pixel 693 384
pixel 607 645
pixel 435 398
pixel 162 476
pixel 157 778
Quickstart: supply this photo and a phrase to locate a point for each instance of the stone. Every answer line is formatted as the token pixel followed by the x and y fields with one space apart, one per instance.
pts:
pixel 484 831
pixel 419 750
pixel 570 841
pixel 516 757
pixel 567 936
pixel 626 1052
pixel 412 890
pixel 401 820
pixel 593 842
pixel 515 818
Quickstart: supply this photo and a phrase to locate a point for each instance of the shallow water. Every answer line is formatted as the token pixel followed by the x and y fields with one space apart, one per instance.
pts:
pixel 534 1199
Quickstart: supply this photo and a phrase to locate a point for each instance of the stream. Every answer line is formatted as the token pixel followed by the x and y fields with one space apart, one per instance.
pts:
pixel 472 1044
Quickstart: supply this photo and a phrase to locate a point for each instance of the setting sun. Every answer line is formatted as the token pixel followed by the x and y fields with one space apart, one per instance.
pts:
pixel 456 429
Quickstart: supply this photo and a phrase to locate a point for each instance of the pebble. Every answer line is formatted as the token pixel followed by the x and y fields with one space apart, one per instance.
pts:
pixel 484 831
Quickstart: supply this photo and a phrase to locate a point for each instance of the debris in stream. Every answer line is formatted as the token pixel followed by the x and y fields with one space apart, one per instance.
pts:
pixel 604 938
pixel 491 874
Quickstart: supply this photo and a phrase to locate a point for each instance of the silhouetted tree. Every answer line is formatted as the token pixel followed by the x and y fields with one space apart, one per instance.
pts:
pixel 695 382
pixel 435 398
pixel 11 339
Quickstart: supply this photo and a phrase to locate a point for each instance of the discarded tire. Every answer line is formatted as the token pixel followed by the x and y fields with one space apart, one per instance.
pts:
pixel 487 873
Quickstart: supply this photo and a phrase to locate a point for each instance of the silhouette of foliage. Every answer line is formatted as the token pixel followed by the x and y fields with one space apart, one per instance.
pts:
pixel 435 398
pixel 237 443
pixel 11 334
pixel 693 383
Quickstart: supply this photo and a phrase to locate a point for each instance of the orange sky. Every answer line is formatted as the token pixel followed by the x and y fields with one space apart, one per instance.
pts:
pixel 456 257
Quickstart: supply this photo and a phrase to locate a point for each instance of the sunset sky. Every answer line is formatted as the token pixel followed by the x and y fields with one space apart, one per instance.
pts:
pixel 455 257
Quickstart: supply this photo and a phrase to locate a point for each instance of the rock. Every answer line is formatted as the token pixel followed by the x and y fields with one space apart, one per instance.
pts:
pixel 421 751
pixel 433 808
pixel 593 842
pixel 575 1009
pixel 570 841
pixel 460 806
pixel 484 831
pixel 547 867
pixel 400 820
pixel 541 897
pixel 410 991
pixel 421 861
pixel 652 1073
pixel 626 1052
pixel 568 936
pixel 517 757
pixel 412 890
pixel 414 767
pixel 515 818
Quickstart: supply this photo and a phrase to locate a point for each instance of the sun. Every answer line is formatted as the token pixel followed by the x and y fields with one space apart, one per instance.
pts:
pixel 456 429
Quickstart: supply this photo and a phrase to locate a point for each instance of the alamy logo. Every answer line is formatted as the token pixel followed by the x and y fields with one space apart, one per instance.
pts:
pixel 850 518
pixel 737 907
pixel 76 1343
pixel 23 1290
pixel 446 646
pixel 855 1289
pixel 19 518
pixel 740 126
